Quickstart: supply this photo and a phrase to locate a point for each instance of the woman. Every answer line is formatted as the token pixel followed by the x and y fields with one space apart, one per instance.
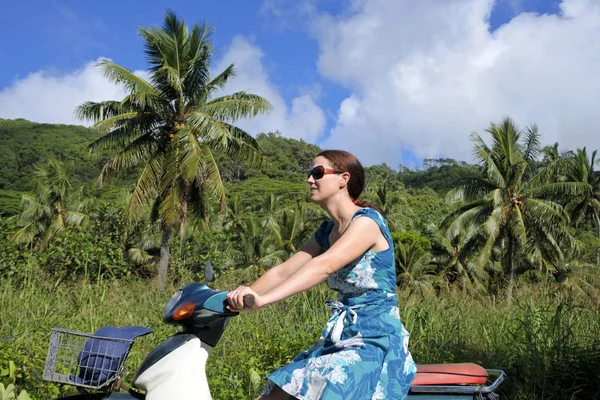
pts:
pixel 363 351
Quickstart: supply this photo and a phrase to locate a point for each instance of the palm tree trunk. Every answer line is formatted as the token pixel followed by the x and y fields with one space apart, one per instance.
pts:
pixel 184 209
pixel 163 264
pixel 511 268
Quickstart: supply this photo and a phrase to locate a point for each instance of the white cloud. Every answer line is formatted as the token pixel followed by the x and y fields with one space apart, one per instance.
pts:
pixel 45 97
pixel 426 73
pixel 303 118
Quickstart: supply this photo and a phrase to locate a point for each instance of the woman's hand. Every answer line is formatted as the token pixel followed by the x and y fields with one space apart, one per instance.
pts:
pixel 236 299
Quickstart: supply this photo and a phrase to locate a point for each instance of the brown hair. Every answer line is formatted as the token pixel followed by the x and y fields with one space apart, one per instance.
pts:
pixel 344 161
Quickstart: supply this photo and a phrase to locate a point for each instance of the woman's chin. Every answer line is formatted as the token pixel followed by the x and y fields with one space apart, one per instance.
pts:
pixel 314 197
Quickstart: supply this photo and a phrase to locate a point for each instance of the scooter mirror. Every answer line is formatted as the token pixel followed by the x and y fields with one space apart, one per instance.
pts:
pixel 209 274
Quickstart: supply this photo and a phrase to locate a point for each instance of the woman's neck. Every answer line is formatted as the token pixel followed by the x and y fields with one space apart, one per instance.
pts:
pixel 341 212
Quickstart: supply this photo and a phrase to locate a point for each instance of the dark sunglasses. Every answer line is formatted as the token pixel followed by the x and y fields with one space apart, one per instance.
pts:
pixel 320 171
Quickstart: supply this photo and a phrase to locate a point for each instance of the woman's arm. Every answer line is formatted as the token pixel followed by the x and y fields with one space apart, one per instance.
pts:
pixel 360 236
pixel 283 271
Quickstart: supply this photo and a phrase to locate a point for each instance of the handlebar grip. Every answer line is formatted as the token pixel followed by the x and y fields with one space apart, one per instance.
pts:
pixel 248 300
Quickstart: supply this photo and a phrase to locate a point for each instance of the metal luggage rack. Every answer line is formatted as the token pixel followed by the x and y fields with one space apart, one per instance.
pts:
pixel 85 360
pixel 483 392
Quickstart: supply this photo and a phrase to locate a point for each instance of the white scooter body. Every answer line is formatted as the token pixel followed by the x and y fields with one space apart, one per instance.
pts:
pixel 181 374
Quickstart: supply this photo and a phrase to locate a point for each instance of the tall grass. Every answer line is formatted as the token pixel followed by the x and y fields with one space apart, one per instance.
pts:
pixel 549 346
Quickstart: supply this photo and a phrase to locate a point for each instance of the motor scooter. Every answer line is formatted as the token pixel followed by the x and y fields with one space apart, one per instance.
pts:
pixel 176 369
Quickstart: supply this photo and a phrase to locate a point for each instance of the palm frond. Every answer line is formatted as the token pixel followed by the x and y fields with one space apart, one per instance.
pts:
pixel 236 106
pixel 225 137
pixel 145 93
pixel 559 190
pixel 532 145
pixel 491 169
pixel 213 175
pixel 517 226
pixel 99 111
pixel 138 151
pixel 197 74
pixel 145 188
pixel 473 189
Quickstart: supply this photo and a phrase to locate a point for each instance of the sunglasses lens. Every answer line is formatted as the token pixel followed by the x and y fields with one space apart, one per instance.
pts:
pixel 317 172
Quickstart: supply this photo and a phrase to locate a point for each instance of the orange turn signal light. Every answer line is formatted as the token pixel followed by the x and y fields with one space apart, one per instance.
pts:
pixel 184 311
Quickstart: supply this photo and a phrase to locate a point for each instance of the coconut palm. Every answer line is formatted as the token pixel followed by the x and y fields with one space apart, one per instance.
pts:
pixel 582 170
pixel 454 256
pixel 235 215
pixel 413 268
pixel 578 278
pixel 291 229
pixel 555 163
pixel 169 126
pixel 395 208
pixel 53 206
pixel 513 205
pixel 255 251
pixel 270 208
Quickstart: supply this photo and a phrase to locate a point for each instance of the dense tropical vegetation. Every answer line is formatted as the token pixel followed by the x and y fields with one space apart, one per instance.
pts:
pixel 497 262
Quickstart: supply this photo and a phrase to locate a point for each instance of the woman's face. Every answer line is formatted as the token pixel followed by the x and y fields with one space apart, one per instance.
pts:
pixel 328 185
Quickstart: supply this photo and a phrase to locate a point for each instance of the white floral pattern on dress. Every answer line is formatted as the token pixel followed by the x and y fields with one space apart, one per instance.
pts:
pixel 355 278
pixel 356 341
pixel 296 382
pixel 395 312
pixel 362 275
pixel 409 365
pixel 332 367
pixel 379 392
pixel 341 361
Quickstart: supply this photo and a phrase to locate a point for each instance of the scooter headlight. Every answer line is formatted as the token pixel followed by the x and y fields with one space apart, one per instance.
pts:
pixel 172 301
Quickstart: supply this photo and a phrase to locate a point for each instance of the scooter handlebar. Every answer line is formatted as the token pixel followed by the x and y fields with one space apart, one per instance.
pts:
pixel 248 300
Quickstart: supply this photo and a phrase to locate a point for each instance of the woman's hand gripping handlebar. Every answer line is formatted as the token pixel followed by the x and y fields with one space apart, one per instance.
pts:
pixel 242 299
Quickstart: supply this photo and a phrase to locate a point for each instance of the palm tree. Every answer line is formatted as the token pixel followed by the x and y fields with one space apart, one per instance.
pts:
pixel 582 170
pixel 255 251
pixel 413 268
pixel 395 208
pixel 54 206
pixel 291 229
pixel 454 256
pixel 269 206
pixel 170 126
pixel 556 163
pixel 235 216
pixel 512 205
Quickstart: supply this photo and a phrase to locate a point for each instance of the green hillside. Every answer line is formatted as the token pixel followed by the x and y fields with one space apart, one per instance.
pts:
pixel 24 143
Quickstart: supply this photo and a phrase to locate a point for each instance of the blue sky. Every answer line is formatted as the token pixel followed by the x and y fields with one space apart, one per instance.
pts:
pixel 59 37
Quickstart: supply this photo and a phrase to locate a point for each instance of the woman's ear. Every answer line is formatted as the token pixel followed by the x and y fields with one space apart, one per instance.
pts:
pixel 344 179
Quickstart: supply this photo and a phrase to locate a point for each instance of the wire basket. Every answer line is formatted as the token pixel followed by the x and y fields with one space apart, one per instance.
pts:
pixel 84 360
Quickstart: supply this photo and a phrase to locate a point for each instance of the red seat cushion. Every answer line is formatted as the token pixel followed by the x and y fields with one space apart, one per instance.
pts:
pixel 450 374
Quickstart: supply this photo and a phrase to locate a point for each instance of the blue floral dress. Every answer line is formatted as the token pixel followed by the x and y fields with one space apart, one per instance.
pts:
pixel 363 351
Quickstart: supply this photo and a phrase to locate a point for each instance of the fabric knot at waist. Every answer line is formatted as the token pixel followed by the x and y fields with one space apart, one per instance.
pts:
pixel 341 316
